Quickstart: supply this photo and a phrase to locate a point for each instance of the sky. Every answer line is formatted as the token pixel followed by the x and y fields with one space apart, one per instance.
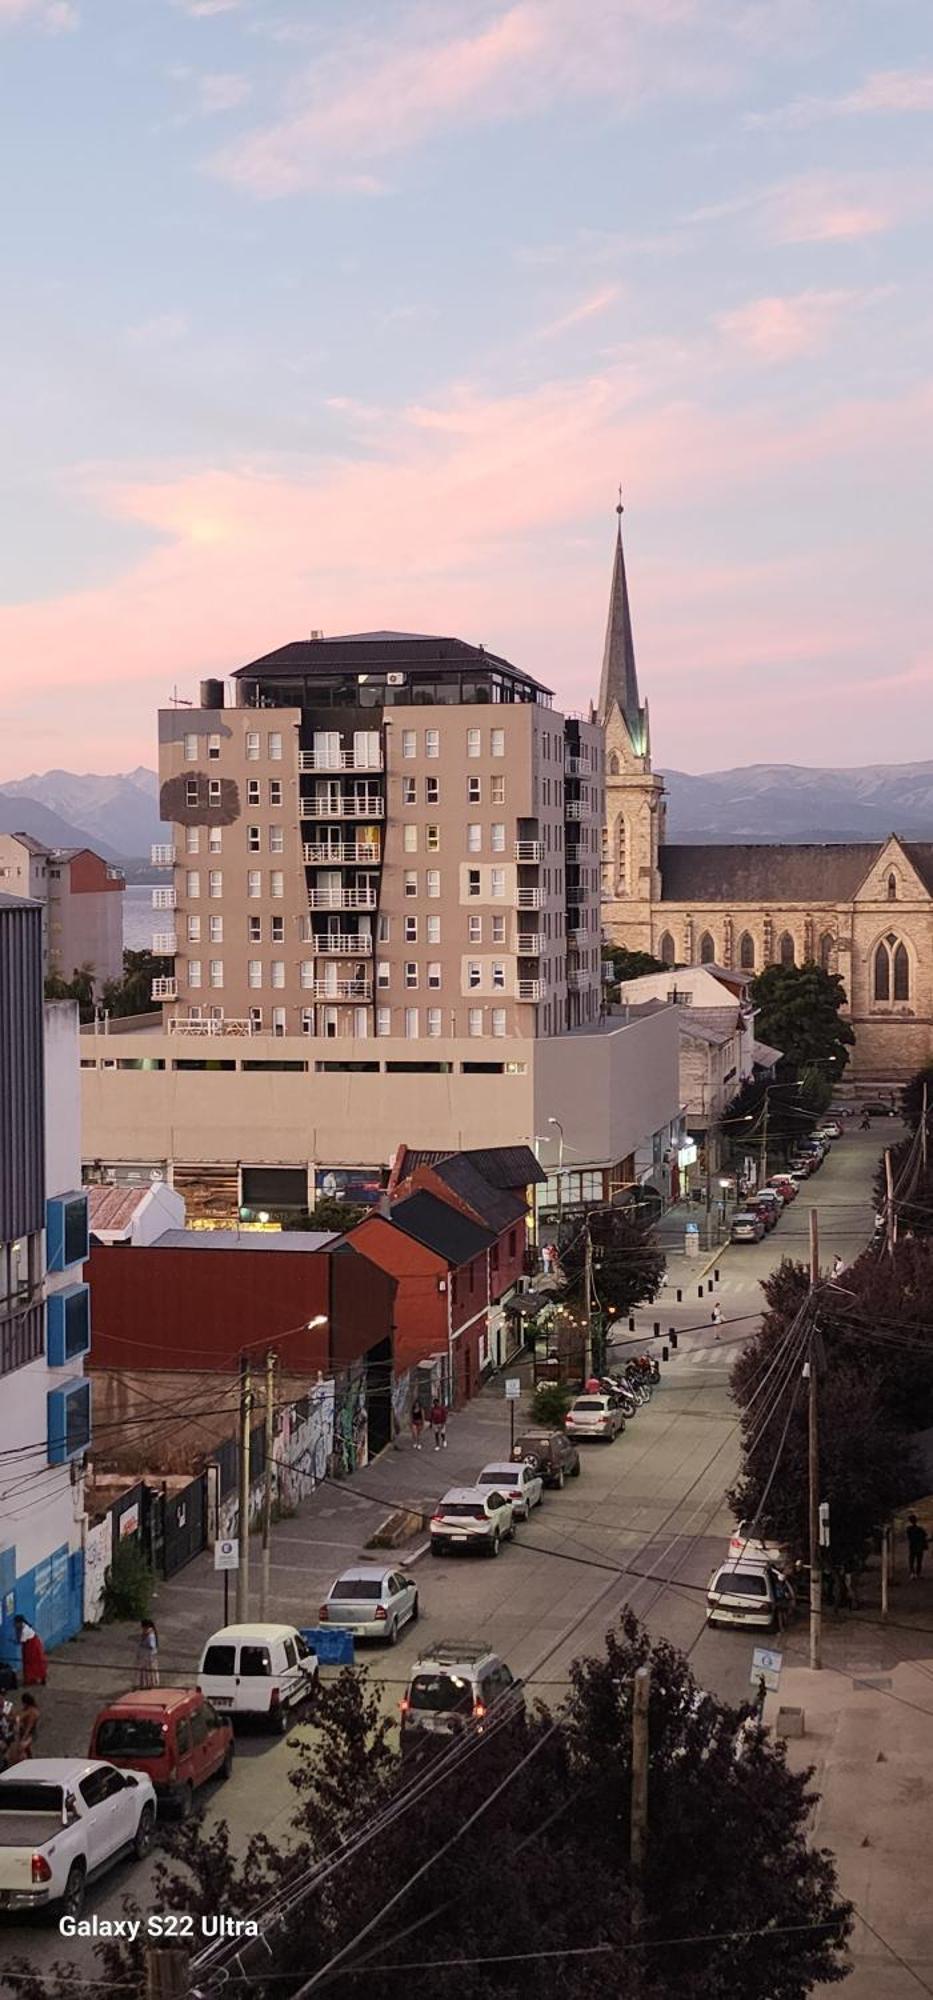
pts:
pixel 324 314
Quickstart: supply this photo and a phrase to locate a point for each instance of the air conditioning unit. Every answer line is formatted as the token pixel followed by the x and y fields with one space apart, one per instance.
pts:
pixel 395 680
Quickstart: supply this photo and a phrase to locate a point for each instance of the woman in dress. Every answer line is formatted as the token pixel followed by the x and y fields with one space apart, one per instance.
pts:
pixel 27 1722
pixel 147 1656
pixel 35 1664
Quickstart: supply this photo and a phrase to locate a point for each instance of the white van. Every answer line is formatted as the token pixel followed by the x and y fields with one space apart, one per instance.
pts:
pixel 258 1670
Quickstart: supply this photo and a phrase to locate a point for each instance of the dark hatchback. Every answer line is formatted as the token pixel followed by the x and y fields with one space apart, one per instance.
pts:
pixel 552 1453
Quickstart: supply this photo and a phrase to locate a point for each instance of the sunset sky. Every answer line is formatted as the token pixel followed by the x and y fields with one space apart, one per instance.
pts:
pixel 341 315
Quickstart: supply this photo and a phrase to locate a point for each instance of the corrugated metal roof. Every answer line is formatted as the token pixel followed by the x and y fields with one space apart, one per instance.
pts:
pixel 113 1207
pixel 499 1207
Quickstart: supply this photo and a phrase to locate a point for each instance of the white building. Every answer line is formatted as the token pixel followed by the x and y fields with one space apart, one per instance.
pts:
pixel 718 1050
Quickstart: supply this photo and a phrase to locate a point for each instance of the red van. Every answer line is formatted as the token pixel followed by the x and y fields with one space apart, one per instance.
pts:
pixel 173 1734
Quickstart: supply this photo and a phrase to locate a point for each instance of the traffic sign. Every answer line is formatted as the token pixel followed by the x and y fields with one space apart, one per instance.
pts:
pixel 766 1666
pixel 513 1388
pixel 227 1555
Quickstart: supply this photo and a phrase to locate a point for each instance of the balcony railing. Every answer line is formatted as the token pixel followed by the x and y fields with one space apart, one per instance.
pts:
pixel 163 899
pixel 201 1024
pixel 578 940
pixel 342 899
pixel 530 944
pixel 528 899
pixel 343 989
pixel 574 766
pixel 575 809
pixel 342 944
pixel 164 944
pixel 528 850
pixel 353 805
pixel 165 989
pixel 529 989
pixel 344 760
pixel 577 979
pixel 162 855
pixel 342 853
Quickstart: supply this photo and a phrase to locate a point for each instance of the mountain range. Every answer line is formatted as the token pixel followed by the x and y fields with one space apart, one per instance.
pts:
pixel 118 813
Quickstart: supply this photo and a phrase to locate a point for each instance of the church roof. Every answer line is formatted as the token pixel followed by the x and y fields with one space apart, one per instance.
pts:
pixel 619 681
pixel 787 873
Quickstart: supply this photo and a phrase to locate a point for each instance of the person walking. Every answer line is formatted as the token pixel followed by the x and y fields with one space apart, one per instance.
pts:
pixel 147 1656
pixel 918 1541
pixel 439 1423
pixel 716 1317
pixel 35 1664
pixel 416 1420
pixel 838 1266
pixel 27 1723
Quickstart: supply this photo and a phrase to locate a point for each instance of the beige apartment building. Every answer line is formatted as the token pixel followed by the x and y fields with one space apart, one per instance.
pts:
pixel 82 904
pixel 385 835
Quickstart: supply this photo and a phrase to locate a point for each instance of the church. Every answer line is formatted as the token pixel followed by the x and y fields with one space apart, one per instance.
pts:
pixel 863 909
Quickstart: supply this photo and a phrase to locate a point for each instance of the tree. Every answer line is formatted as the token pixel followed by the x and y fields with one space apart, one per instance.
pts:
pixel 627 1264
pixel 519 1844
pixel 799 1012
pixel 133 993
pixel 338 1216
pixel 79 987
pixel 789 1117
pixel 912 1097
pixel 633 964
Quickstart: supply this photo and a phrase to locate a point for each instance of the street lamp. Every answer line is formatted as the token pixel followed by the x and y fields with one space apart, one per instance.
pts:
pixel 560 1172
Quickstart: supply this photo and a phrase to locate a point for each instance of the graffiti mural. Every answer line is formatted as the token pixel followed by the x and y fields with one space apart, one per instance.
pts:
pixel 350 1429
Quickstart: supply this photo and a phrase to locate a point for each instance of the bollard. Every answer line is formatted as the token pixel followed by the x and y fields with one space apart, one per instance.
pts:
pixel 699 1291
pixel 709 1284
pixel 716 1276
pixel 631 1322
pixel 680 1295
pixel 657 1328
pixel 664 1354
pixel 673 1333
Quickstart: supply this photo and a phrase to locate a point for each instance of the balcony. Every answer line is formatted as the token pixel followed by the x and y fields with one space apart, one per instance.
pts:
pixel 351 805
pixel 342 944
pixel 575 893
pixel 163 899
pixel 203 1025
pixel 528 899
pixel 530 944
pixel 578 940
pixel 343 989
pixel 528 850
pixel 165 989
pixel 161 855
pixel 529 989
pixel 577 981
pixel 164 944
pixel 575 809
pixel 342 854
pixel 342 899
pixel 574 766
pixel 344 760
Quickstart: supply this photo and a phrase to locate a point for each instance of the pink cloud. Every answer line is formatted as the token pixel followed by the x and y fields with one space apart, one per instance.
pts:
pixel 777 330
pixel 890 90
pixel 54 15
pixel 588 308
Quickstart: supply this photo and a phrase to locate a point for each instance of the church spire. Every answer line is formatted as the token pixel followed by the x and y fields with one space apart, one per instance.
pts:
pixel 619 683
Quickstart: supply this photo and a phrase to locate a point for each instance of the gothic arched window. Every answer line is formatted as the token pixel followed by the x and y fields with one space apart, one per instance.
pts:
pixel 613 764
pixel 786 949
pixel 827 943
pixel 892 888
pixel 881 984
pixel 707 949
pixel 666 949
pixel 747 952
pixel 901 973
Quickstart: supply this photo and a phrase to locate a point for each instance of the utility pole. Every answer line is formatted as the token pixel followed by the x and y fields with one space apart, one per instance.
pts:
pixel 639 1814
pixel 588 1304
pixel 813 1456
pixel 246 1408
pixel 271 1364
pixel 923 1130
pixel 890 1212
pixel 166 1972
pixel 764 1140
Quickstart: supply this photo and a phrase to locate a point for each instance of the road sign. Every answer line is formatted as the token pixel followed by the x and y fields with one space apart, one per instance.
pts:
pixel 227 1555
pixel 513 1388
pixel 766 1666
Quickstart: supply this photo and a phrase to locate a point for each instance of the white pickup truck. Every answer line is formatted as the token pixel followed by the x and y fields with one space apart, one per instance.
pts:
pixel 64 1820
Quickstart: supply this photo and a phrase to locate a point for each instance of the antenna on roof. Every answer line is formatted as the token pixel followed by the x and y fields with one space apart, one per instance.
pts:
pixel 178 700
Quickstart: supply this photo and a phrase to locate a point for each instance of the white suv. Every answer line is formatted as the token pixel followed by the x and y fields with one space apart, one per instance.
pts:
pixel 594 1417
pixel 472 1517
pixel 454 1686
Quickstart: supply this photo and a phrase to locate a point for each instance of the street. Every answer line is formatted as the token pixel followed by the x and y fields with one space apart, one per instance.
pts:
pixel 643 1526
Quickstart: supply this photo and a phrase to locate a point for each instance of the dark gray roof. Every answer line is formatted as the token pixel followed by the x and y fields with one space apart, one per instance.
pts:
pixel 247 1239
pixel 499 1208
pixel 510 1167
pixel 360 652
pixel 778 874
pixel 441 1228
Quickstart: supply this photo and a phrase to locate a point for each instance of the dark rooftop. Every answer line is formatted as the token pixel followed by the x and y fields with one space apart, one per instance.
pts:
pixel 768 874
pixel 510 1167
pixel 499 1208
pixel 378 653
pixel 441 1228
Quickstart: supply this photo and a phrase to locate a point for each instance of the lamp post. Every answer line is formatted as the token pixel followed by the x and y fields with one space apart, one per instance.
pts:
pixel 307 1326
pixel 560 1173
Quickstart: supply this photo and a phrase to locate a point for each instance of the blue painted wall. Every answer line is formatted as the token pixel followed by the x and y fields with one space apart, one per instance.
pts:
pixel 50 1596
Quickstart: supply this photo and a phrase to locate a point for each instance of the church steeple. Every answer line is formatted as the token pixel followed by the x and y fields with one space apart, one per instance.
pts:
pixel 619 682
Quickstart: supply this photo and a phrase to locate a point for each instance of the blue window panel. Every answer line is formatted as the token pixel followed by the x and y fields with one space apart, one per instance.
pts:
pixel 66 1230
pixel 69 1420
pixel 68 1325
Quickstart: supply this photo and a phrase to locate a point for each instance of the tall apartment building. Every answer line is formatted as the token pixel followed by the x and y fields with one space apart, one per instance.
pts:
pixel 82 903
pixel 388 834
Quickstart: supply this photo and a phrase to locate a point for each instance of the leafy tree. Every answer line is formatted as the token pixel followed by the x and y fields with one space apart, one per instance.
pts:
pixel 330 1214
pixel 522 1845
pixel 799 1012
pixel 79 987
pixel 633 964
pixel 778 1112
pixel 133 993
pixel 628 1265
pixel 912 1097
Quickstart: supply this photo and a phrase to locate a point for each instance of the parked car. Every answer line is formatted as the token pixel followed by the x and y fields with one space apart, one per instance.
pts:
pixel 552 1453
pixel 172 1734
pixel 373 1601
pixel 756 1205
pixel 829 1130
pixel 771 1194
pixel 455 1686
pixel 745 1547
pixel 520 1483
pixel 258 1670
pixel 741 1592
pixel 595 1417
pixel 477 1517
pixel 786 1186
pixel 747 1227
pixel 63 1821
pixel 802 1165
pixel 875 1109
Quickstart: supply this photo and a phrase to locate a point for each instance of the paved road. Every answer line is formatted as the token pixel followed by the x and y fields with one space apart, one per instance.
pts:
pixel 643 1525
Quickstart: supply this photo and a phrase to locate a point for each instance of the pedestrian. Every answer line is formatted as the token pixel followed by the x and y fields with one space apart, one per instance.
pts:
pixel 147 1655
pixel 439 1423
pixel 838 1265
pixel 918 1541
pixel 35 1664
pixel 7 1729
pixel 716 1317
pixel 416 1420
pixel 27 1723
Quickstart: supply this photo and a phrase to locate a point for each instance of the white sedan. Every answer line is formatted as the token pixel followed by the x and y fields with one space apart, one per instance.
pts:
pixel 373 1601
pixel 520 1483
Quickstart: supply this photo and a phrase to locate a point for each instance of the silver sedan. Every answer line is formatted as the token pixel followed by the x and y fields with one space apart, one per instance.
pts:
pixel 372 1601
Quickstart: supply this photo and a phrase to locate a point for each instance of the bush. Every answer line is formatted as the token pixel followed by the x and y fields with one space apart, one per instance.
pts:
pixel 128 1583
pixel 551 1403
